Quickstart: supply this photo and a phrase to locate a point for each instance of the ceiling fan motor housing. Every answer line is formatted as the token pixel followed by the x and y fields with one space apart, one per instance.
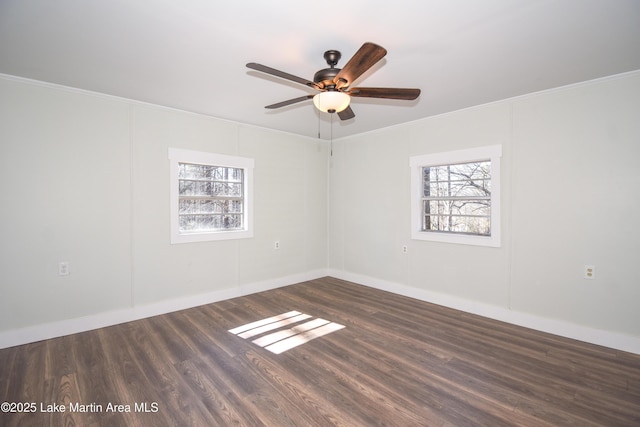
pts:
pixel 325 76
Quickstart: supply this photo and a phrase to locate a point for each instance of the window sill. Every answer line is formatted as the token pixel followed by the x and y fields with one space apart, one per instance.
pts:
pixel 210 236
pixel 489 241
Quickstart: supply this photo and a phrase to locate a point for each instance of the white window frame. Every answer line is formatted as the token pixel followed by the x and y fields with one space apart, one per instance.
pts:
pixel 177 156
pixel 492 153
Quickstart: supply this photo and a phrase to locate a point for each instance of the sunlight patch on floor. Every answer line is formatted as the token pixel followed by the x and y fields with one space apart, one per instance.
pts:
pixel 285 339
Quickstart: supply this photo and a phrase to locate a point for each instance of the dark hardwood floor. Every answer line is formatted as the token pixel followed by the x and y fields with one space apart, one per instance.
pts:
pixel 398 362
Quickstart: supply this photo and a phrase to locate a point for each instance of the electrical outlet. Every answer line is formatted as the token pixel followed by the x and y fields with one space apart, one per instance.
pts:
pixel 405 249
pixel 63 268
pixel 276 244
pixel 589 272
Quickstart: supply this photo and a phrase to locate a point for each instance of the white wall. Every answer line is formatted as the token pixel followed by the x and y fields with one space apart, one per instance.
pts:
pixel 584 209
pixel 64 182
pixel 570 186
pixel 84 178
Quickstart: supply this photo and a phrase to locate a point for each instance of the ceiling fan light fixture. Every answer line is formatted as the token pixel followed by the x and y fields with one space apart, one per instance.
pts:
pixel 331 101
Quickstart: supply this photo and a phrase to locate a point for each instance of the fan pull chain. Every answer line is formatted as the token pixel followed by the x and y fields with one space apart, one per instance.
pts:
pixel 331 140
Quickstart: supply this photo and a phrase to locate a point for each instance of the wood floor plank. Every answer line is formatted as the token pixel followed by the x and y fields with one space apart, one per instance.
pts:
pixel 297 406
pixel 225 405
pixel 397 362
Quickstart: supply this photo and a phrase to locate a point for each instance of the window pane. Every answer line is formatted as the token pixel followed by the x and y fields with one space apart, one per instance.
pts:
pixel 186 188
pixel 464 225
pixel 187 222
pixel 457 198
pixel 230 206
pixel 459 207
pixel 232 221
pixel 226 189
pixel 466 179
pixel 206 222
pixel 209 206
pixel 211 197
pixel 186 206
pixel 202 188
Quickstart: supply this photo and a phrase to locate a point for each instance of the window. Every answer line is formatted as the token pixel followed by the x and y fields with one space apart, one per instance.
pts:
pixel 210 196
pixel 455 196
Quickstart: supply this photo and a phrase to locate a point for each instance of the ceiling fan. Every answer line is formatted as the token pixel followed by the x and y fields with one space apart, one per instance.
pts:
pixel 334 83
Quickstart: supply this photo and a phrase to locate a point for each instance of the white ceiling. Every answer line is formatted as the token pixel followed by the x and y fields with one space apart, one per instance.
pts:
pixel 191 54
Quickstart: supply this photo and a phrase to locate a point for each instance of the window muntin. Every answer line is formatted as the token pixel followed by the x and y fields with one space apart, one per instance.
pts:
pixel 211 196
pixel 455 196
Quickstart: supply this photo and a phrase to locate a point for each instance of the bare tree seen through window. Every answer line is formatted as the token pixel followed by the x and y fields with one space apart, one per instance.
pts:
pixel 457 198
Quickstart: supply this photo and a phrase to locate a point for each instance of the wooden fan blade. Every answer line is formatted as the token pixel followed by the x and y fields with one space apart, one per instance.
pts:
pixel 281 74
pixel 346 114
pixel 289 102
pixel 385 92
pixel 363 59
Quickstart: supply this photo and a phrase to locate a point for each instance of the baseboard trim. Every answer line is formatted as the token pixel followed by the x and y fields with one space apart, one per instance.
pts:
pixel 81 324
pixel 61 328
pixel 609 339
